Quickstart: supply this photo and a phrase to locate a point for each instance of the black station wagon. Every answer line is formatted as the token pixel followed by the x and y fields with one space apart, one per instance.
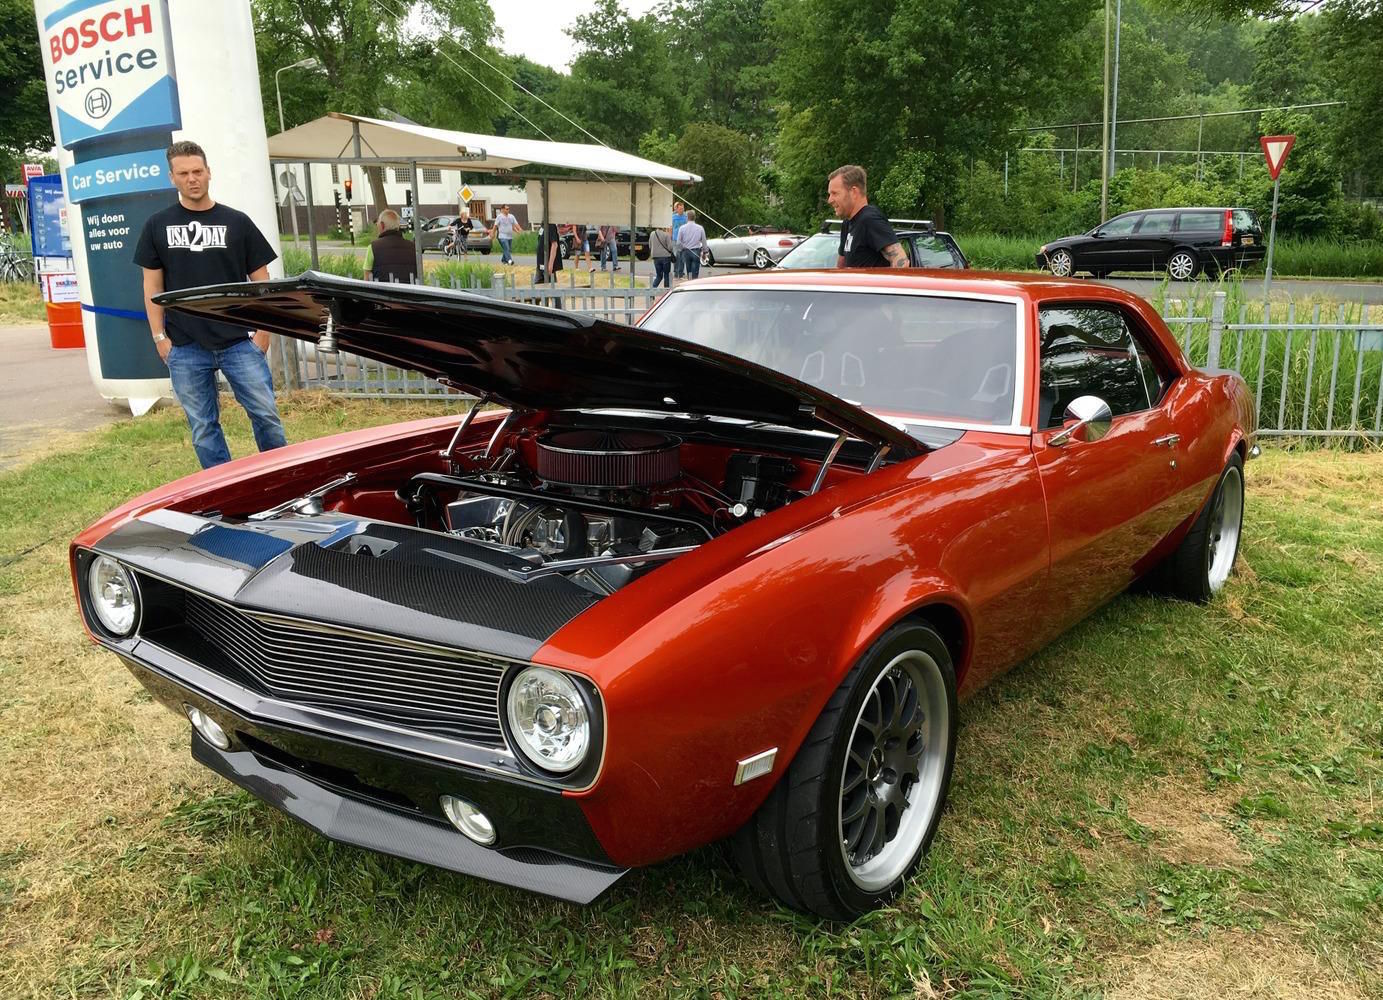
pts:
pixel 1181 241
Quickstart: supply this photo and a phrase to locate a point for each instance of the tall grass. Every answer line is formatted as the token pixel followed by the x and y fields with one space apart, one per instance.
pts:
pixel 447 274
pixel 1304 379
pixel 1304 257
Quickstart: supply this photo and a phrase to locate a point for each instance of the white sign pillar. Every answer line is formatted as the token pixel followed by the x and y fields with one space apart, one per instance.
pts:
pixel 117 101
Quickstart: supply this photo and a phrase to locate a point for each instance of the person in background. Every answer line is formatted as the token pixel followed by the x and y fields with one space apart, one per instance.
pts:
pixel 679 218
pixel 200 242
pixel 390 255
pixel 661 249
pixel 550 252
pixel 609 247
pixel 585 236
pixel 505 228
pixel 691 240
pixel 866 238
pixel 460 232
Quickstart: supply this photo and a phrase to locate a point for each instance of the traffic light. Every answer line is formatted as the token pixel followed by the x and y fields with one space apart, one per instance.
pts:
pixel 337 196
pixel 347 185
pixel 408 197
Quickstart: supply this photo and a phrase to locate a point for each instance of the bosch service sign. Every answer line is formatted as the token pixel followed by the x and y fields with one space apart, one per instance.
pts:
pixel 110 67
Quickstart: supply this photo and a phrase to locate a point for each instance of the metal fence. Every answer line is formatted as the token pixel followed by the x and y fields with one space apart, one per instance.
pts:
pixel 1314 372
pixel 348 375
pixel 1319 376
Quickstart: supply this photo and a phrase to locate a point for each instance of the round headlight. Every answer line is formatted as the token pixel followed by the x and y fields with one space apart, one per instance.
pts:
pixel 548 718
pixel 113 595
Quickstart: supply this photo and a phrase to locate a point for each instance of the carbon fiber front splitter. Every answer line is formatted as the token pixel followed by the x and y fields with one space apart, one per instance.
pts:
pixel 363 824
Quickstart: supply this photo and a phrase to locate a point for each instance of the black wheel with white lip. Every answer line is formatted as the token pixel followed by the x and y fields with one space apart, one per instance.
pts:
pixel 853 815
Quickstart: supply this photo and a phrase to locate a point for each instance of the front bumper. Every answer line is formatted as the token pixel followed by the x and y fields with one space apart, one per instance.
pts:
pixel 384 799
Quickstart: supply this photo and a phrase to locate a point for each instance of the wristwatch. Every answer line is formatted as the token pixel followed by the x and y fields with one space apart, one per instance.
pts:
pixel 160 338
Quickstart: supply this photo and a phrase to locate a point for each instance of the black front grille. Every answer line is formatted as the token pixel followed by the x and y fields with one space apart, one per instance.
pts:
pixel 424 688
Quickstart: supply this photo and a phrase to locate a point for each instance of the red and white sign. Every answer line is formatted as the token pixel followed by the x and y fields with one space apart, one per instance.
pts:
pixel 1275 150
pixel 32 170
pixel 109 67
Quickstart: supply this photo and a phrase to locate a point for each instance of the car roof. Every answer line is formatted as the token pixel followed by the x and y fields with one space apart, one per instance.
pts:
pixel 1027 286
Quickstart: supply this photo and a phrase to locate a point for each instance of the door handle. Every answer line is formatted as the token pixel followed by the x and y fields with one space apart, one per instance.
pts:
pixel 1167 440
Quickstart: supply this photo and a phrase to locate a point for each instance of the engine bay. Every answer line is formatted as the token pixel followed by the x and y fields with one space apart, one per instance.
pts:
pixel 602 506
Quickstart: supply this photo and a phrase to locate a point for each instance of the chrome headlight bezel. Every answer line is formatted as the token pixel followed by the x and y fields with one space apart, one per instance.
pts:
pixel 579 695
pixel 112 625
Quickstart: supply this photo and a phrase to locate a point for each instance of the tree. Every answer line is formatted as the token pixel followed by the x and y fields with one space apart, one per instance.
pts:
pixel 25 124
pixel 1352 38
pixel 621 79
pixel 936 81
pixel 717 52
pixel 729 192
pixel 373 56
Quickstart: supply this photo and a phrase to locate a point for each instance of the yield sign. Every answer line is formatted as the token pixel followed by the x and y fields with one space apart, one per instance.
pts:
pixel 1275 150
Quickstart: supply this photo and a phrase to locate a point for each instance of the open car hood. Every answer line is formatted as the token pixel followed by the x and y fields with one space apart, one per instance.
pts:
pixel 529 356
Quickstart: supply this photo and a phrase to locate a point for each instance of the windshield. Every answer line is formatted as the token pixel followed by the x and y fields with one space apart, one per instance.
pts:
pixel 814 252
pixel 923 356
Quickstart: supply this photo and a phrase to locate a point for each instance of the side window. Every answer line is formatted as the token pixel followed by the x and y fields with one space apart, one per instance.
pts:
pixel 1121 226
pixel 933 252
pixel 1089 351
pixel 1201 222
pixel 1158 222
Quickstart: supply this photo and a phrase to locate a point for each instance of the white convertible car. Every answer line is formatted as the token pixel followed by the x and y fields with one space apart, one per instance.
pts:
pixel 757 245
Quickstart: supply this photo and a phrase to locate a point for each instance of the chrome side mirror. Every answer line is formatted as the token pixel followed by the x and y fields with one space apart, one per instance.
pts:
pixel 1092 418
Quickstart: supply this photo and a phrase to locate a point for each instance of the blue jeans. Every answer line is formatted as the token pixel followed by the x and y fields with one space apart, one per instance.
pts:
pixel 662 271
pixel 193 370
pixel 506 250
pixel 689 262
pixel 676 261
pixel 607 252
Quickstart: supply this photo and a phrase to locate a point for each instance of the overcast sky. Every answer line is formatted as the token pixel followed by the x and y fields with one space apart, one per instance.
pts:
pixel 537 28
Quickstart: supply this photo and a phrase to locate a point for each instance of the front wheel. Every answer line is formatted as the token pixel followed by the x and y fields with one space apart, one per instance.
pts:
pixel 855 811
pixel 708 259
pixel 1061 263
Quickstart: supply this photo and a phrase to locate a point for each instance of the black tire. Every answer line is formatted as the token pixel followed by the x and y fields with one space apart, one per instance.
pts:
pixel 1198 568
pixel 794 847
pixel 762 260
pixel 1178 271
pixel 708 259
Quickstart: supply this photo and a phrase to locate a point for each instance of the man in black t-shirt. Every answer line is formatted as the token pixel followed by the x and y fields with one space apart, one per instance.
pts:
pixel 199 242
pixel 866 238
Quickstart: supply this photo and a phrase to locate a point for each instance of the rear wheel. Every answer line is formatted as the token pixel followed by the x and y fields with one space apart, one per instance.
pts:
pixel 761 258
pixel 1061 263
pixel 1183 264
pixel 858 806
pixel 1202 563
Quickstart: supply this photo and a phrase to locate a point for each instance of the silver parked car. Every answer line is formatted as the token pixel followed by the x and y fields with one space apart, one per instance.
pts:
pixel 757 245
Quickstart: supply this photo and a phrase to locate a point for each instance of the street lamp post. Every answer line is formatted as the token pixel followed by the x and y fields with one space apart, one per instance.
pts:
pixel 308 63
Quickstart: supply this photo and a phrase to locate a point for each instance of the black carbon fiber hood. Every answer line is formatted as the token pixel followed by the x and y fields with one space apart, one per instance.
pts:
pixel 533 357
pixel 364 575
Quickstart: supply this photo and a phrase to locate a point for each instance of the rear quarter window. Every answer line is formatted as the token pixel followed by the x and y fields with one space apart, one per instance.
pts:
pixel 1201 222
pixel 1244 219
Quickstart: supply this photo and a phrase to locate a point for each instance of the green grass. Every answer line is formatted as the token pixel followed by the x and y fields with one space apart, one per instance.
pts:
pixel 1170 800
pixel 20 302
pixel 1291 257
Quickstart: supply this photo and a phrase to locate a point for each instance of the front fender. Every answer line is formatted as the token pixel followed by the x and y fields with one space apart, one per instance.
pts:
pixel 745 661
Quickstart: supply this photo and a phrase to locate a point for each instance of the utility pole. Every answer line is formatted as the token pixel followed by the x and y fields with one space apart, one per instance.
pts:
pixel 1114 101
pixel 1104 110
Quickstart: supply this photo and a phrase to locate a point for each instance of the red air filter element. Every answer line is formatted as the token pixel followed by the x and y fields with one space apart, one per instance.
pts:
pixel 607 458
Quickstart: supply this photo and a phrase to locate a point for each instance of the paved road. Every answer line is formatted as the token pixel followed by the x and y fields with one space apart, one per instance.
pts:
pixel 44 394
pixel 1348 291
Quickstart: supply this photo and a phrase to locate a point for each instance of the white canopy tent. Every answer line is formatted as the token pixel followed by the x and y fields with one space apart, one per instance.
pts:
pixel 613 189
